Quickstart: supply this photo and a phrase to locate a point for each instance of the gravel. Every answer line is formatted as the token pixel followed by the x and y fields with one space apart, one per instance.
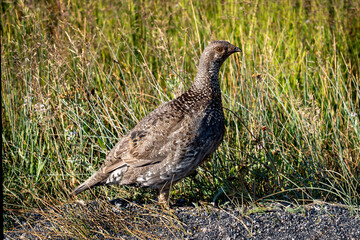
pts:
pixel 126 220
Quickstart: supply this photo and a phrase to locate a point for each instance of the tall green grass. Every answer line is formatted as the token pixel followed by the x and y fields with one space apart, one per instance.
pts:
pixel 77 76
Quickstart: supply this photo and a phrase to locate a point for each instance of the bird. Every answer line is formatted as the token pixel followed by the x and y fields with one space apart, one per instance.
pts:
pixel 173 140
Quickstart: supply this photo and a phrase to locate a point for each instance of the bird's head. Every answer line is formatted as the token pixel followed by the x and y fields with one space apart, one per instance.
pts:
pixel 215 54
pixel 219 51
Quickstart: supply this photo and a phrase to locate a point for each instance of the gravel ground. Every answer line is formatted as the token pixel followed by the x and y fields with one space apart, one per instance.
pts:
pixel 274 221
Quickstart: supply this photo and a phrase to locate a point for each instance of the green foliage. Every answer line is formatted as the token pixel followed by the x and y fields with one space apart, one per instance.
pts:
pixel 77 76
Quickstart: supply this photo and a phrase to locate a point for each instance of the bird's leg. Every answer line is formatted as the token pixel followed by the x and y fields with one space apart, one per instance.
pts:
pixel 164 197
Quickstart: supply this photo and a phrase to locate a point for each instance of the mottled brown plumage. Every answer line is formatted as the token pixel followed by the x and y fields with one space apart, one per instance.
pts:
pixel 169 143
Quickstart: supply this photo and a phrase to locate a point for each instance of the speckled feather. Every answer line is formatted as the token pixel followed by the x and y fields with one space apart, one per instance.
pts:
pixel 169 143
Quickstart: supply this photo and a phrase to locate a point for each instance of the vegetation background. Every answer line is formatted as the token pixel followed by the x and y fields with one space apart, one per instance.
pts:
pixel 77 75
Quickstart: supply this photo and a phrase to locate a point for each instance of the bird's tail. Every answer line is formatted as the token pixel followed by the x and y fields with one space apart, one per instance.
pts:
pixel 80 189
pixel 93 181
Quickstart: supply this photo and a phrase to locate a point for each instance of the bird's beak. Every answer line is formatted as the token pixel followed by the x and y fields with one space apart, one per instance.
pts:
pixel 236 49
pixel 233 49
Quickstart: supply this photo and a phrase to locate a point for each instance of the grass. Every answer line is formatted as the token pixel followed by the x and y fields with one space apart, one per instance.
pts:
pixel 77 76
pixel 97 220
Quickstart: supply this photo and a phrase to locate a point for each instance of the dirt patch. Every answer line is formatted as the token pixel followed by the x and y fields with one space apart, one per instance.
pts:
pixel 126 220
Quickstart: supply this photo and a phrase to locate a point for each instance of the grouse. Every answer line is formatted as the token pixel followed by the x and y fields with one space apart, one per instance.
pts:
pixel 170 143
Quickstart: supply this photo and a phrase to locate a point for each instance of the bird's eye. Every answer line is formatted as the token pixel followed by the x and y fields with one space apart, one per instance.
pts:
pixel 219 49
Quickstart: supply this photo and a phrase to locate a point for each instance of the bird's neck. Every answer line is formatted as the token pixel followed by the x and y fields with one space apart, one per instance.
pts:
pixel 206 82
pixel 204 91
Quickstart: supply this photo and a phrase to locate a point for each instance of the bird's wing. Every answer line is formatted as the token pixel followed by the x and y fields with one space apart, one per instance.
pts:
pixel 146 143
pixel 149 142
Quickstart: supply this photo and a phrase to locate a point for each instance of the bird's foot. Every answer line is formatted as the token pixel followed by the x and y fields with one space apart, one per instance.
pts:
pixel 163 200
